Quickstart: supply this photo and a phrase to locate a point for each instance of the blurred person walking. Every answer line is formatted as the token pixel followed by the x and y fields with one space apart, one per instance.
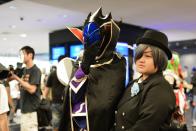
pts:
pixel 29 90
pixel 57 96
pixel 14 95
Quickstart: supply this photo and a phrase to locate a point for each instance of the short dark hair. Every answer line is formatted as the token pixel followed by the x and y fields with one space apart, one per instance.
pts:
pixel 28 50
pixel 159 56
pixel 61 57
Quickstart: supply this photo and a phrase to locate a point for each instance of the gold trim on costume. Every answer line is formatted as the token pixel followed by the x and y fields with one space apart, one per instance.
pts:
pixel 105 63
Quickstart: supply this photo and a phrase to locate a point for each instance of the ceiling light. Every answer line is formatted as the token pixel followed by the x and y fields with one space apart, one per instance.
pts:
pixel 185 48
pixel 64 16
pixel 40 20
pixel 23 35
pixel 12 7
pixel 4 38
pixel 12 26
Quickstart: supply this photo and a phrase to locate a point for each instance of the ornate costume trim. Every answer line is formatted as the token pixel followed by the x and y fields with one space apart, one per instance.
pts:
pixel 78 80
pixel 105 63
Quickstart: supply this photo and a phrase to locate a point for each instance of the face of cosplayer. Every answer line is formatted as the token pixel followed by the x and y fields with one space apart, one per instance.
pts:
pixel 145 65
pixel 25 58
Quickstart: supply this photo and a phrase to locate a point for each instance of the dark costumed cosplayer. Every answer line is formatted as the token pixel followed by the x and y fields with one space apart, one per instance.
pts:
pixel 98 83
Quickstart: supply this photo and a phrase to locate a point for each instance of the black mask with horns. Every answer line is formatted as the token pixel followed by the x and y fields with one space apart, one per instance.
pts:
pixel 98 27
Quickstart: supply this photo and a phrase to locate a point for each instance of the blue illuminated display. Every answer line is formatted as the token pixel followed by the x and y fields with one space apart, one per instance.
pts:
pixel 57 51
pixel 75 50
pixel 122 48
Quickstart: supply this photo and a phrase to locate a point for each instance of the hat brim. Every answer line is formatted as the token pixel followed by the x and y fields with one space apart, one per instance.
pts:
pixel 155 43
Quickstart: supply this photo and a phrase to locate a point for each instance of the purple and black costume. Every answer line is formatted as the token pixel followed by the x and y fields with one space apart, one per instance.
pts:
pixel 99 81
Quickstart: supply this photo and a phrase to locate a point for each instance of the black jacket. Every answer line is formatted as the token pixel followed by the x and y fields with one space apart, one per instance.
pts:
pixel 150 109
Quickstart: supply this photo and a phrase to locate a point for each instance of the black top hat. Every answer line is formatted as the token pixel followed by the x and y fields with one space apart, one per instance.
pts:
pixel 157 39
pixel 3 72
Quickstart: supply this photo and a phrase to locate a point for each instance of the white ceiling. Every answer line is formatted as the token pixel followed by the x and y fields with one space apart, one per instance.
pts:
pixel 36 18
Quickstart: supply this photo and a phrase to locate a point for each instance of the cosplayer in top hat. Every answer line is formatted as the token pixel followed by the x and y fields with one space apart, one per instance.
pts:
pixel 99 81
pixel 148 102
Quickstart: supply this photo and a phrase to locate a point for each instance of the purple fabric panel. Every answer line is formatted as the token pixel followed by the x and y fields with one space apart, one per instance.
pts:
pixel 79 105
pixel 75 84
pixel 79 73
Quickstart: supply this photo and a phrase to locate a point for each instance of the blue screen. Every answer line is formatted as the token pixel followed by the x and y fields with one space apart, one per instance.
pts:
pixel 75 50
pixel 57 51
pixel 122 48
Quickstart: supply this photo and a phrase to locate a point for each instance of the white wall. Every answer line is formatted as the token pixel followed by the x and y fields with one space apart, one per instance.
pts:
pixel 11 44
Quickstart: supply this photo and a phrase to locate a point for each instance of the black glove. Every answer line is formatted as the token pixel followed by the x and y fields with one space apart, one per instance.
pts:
pixel 89 55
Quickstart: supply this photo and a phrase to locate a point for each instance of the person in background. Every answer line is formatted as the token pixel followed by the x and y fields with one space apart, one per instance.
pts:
pixel 176 77
pixel 193 82
pixel 148 102
pixel 57 96
pixel 172 75
pixel 13 94
pixel 4 108
pixel 29 90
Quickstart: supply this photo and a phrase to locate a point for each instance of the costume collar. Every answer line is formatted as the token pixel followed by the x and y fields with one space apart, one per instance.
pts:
pixel 152 76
